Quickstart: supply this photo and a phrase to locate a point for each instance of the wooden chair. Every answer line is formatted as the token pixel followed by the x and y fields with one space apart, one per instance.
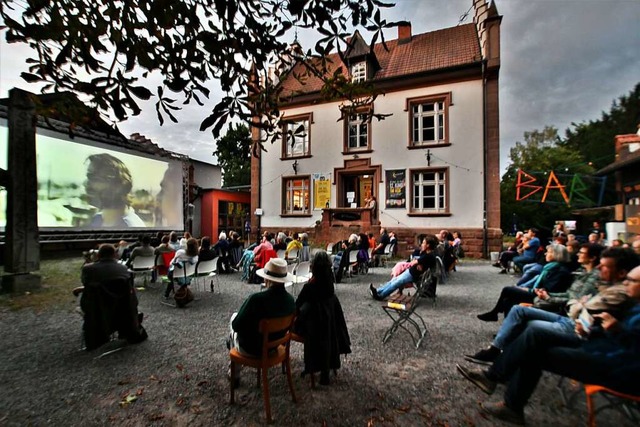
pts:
pixel 274 353
pixel 615 399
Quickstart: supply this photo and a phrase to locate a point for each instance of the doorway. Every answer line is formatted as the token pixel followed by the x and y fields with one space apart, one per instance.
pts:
pixel 356 188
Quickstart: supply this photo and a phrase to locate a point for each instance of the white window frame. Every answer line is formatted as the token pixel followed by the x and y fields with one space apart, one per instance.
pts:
pixel 418 128
pixel 357 122
pixel 301 145
pixel 439 181
pixel 291 199
pixel 359 72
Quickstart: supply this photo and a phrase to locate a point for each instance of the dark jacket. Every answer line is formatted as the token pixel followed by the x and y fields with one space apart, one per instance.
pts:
pixel 321 322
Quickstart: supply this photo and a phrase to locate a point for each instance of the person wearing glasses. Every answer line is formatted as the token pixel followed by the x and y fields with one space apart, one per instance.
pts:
pixel 605 352
pixel 584 286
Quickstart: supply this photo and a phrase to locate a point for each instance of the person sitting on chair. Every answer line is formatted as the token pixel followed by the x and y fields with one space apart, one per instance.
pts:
pixel 426 261
pixel 188 255
pixel 274 302
pixel 144 250
pixel 379 248
pixel 108 301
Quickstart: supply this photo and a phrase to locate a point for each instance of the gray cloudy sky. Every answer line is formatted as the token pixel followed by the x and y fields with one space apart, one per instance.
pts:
pixel 563 61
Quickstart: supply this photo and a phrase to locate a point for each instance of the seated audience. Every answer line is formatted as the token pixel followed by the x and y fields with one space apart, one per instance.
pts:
pixel 426 261
pixel 281 244
pixel 554 277
pixel 222 249
pixel 206 252
pixel 109 301
pixel 145 250
pixel 182 256
pixel 295 243
pixel 173 241
pixel 606 353
pixel 530 250
pixel 320 321
pixel 513 251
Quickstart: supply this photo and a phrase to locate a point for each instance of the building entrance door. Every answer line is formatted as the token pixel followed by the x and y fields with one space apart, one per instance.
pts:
pixel 355 189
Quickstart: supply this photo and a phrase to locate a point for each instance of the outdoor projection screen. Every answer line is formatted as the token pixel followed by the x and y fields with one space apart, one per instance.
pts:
pixel 87 185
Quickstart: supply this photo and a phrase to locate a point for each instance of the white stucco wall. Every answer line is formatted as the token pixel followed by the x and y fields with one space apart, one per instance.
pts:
pixel 464 157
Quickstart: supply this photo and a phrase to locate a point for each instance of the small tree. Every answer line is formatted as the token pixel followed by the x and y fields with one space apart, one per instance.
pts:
pixel 234 156
pixel 105 50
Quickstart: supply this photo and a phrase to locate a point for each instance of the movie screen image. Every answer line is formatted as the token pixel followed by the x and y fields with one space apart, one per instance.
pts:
pixel 90 186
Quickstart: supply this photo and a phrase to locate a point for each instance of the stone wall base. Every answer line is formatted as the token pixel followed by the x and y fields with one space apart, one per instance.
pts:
pixel 472 238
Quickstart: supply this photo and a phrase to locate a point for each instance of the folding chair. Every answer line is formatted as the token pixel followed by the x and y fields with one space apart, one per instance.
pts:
pixel 207 269
pixel 142 265
pixel 330 248
pixel 302 274
pixel 353 263
pixel 615 399
pixel 274 353
pixel 440 270
pixel 182 275
pixel 293 256
pixel 386 256
pixel 401 309
pixel 280 253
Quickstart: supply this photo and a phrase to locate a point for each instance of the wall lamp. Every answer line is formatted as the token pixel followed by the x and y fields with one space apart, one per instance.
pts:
pixel 295 167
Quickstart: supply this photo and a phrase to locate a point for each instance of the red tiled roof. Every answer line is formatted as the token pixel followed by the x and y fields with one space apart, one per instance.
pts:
pixel 436 50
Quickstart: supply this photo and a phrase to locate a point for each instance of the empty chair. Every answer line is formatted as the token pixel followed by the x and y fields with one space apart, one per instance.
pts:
pixel 280 253
pixel 207 269
pixel 274 353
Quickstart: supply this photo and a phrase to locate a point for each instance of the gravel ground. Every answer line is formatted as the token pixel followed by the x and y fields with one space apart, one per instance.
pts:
pixel 178 376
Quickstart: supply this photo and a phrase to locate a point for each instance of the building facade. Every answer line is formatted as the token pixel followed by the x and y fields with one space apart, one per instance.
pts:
pixel 431 164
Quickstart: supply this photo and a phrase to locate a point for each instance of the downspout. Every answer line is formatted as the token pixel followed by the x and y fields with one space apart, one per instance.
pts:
pixel 485 240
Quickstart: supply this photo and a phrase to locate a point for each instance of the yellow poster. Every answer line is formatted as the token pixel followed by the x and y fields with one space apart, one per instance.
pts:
pixel 322 193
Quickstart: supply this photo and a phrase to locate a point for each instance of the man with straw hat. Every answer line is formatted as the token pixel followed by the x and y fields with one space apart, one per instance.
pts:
pixel 273 302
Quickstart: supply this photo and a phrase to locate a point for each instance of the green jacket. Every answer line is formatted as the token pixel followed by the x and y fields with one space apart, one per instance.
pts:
pixel 274 302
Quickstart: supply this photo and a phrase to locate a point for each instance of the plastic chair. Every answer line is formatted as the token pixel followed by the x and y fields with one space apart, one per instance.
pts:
pixel 615 399
pixel 274 353
pixel 207 269
pixel 388 253
pixel 143 265
pixel 280 253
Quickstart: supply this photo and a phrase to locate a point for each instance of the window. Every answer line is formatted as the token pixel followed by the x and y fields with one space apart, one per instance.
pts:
pixel 359 72
pixel 430 193
pixel 231 215
pixel 296 196
pixel 428 120
pixel 295 137
pixel 357 132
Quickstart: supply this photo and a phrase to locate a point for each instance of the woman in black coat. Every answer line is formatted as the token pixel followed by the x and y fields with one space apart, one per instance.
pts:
pixel 320 321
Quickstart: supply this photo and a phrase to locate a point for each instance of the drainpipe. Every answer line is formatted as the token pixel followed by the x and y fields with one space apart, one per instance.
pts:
pixel 485 242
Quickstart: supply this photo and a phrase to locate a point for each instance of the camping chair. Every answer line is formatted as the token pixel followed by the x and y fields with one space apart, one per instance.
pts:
pixel 207 269
pixel 614 399
pixel 274 353
pixel 142 265
pixel 401 309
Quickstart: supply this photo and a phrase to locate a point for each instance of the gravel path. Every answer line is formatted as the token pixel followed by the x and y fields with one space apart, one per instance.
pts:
pixel 178 376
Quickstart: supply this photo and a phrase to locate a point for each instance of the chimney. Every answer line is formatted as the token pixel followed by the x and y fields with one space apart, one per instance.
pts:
pixel 404 32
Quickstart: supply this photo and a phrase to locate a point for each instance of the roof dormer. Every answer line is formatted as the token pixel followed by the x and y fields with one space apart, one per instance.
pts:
pixel 360 59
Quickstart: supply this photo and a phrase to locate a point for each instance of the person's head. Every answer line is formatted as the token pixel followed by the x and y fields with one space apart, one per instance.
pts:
pixel 429 243
pixel 383 230
pixel 616 243
pixel 443 234
pixel 557 253
pixel 296 236
pixel 275 273
pixel 573 247
pixel 192 247
pixel 222 236
pixel 106 251
pixel 561 240
pixel 205 243
pixel 615 263
pixel 304 237
pixel 108 182
pixel 596 224
pixel 353 238
pixel 187 235
pixel 594 238
pixel 146 240
pixel 560 226
pixel 321 265
pixel 571 237
pixel 370 235
pixel 281 237
pixel 533 232
pixel 165 239
pixel 632 283
pixel 519 235
pixel 457 235
pixel 392 234
pixel 589 254
pixel 173 237
pixel 636 246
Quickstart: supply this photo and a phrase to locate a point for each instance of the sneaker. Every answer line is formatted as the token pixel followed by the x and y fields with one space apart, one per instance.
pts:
pixel 503 271
pixel 488 317
pixel 374 292
pixel 497 264
pixel 478 378
pixel 484 357
pixel 502 412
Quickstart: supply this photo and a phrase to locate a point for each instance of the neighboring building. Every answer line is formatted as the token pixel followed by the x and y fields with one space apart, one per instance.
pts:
pixel 433 164
pixel 225 210
pixel 626 171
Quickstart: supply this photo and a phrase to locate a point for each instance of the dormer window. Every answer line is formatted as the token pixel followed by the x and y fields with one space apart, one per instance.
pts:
pixel 359 72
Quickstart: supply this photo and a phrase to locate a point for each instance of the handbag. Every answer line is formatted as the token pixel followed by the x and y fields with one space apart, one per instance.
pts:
pixel 183 296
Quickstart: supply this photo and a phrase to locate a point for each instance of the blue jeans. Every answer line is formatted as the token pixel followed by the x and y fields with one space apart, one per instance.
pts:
pixel 521 317
pixel 521 260
pixel 530 273
pixel 397 282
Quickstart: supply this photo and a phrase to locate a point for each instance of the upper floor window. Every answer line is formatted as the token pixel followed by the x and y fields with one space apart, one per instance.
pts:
pixel 296 196
pixel 296 141
pixel 429 191
pixel 357 130
pixel 429 120
pixel 359 72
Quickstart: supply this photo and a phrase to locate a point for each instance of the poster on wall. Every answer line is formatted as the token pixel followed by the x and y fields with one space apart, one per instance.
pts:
pixel 396 188
pixel 321 191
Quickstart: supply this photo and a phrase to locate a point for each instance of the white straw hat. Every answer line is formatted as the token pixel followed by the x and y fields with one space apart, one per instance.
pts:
pixel 276 271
